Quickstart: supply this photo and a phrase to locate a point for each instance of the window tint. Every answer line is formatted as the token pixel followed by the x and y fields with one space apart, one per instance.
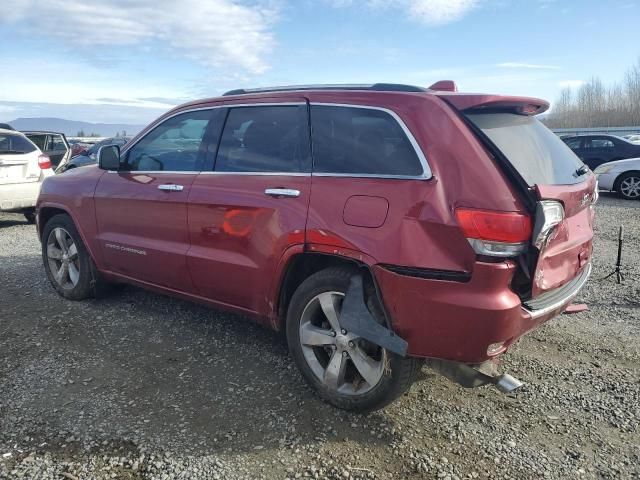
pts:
pixel 599 143
pixel 173 146
pixel 57 144
pixel 39 139
pixel 265 139
pixel 15 144
pixel 573 143
pixel 533 150
pixel 360 141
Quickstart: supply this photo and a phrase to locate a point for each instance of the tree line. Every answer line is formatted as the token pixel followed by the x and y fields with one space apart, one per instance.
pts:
pixel 594 104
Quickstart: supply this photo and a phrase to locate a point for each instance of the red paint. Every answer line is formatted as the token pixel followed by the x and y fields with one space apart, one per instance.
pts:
pixel 223 242
pixel 570 247
pixel 365 211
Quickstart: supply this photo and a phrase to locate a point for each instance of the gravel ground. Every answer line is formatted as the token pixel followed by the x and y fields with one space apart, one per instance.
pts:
pixel 139 385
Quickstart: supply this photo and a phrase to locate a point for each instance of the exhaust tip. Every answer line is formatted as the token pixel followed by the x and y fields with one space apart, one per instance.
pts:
pixel 507 384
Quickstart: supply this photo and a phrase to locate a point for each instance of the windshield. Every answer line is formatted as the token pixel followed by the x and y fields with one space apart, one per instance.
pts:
pixel 534 151
pixel 15 144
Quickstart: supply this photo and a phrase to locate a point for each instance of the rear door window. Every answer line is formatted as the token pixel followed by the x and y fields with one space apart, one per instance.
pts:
pixel 599 143
pixel 534 151
pixel 15 144
pixel 56 144
pixel 361 141
pixel 265 139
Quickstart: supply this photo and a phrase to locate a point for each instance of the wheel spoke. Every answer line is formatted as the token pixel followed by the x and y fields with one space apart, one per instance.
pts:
pixel 62 274
pixel 53 252
pixel 61 240
pixel 366 366
pixel 72 252
pixel 315 336
pixel 328 304
pixel 334 373
pixel 74 274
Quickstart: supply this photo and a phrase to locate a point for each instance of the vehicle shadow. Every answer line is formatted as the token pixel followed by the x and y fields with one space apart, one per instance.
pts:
pixel 150 370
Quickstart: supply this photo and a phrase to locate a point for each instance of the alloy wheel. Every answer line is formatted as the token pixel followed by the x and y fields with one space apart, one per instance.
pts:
pixel 63 259
pixel 342 361
pixel 630 187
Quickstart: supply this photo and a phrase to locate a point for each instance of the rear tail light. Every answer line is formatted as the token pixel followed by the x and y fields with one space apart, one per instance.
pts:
pixel 549 214
pixel 44 162
pixel 497 234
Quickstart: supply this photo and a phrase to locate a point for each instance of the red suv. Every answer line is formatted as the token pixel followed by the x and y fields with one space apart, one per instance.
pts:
pixel 378 226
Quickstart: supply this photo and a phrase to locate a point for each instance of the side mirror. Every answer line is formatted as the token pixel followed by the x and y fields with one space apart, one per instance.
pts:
pixel 109 157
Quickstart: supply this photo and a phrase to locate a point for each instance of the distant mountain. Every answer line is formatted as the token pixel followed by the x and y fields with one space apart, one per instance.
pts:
pixel 72 127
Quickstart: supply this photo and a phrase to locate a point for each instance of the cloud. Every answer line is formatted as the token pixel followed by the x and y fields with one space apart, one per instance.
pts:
pixel 531 66
pixel 429 12
pixel 214 33
pixel 571 83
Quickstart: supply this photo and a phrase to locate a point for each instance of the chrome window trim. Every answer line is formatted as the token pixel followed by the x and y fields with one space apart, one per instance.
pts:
pixel 160 121
pixel 426 169
pixel 180 172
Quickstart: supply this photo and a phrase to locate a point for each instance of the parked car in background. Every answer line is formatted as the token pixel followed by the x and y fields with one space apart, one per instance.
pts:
pixel 78 147
pixel 52 144
pixel 89 156
pixel 633 139
pixel 595 150
pixel 23 167
pixel 433 227
pixel 6 126
pixel 621 176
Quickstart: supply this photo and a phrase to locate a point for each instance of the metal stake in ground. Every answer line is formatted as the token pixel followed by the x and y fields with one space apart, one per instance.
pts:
pixel 617 272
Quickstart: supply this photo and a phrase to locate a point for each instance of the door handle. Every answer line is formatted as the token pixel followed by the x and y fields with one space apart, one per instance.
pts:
pixel 282 192
pixel 171 187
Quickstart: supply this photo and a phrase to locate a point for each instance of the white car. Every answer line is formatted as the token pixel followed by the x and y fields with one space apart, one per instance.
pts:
pixel 633 139
pixel 23 168
pixel 622 176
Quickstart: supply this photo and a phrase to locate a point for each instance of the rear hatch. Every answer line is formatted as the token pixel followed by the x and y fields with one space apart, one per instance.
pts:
pixel 18 159
pixel 557 186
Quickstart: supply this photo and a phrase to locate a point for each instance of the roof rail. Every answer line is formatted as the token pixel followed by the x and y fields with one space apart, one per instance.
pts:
pixel 377 87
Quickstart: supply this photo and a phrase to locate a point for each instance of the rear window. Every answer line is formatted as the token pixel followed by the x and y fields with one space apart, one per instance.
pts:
pixel 15 144
pixel 533 150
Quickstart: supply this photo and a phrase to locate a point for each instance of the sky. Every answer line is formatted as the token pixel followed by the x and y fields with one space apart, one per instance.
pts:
pixel 128 61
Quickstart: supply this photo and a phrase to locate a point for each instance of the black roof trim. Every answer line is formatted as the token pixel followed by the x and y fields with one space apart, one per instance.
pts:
pixel 376 87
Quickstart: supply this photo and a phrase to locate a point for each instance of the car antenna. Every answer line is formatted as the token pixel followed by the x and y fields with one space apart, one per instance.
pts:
pixel 617 271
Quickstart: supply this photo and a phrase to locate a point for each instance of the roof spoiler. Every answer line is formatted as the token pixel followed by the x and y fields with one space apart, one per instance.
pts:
pixel 482 102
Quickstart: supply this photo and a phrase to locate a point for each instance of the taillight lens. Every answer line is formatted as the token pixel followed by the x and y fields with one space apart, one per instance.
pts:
pixel 44 162
pixel 497 234
pixel 549 214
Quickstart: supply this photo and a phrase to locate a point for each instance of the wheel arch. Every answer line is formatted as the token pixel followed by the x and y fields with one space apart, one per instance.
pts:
pixel 301 266
pixel 47 211
pixel 616 183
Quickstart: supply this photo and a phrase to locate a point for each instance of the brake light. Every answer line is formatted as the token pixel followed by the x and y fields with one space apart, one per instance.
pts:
pixel 497 234
pixel 549 214
pixel 44 162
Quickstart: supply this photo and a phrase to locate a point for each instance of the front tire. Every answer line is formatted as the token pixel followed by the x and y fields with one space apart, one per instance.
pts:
pixel 67 262
pixel 346 370
pixel 628 186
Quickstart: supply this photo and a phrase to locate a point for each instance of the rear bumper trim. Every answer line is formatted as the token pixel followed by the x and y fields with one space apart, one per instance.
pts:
pixel 555 299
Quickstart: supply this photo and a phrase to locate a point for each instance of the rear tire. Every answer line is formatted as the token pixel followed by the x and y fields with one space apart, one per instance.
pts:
pixel 67 262
pixel 332 364
pixel 628 186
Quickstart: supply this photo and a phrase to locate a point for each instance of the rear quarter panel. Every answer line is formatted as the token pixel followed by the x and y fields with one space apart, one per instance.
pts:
pixel 420 229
